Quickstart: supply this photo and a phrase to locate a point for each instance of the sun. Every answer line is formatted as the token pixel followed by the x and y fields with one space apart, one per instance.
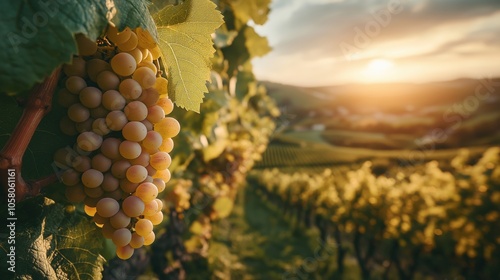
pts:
pixel 378 70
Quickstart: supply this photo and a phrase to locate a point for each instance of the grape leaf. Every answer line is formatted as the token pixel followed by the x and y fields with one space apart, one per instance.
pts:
pixel 38 35
pixel 52 244
pixel 256 10
pixel 184 33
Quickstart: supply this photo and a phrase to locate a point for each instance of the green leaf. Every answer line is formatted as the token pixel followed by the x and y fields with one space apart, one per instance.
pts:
pixel 52 244
pixel 256 10
pixel 38 36
pixel 184 33
pixel 256 45
pixel 223 206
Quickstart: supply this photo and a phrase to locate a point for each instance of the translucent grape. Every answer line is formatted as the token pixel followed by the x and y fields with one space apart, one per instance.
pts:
pixel 78 113
pixel 130 149
pixel 107 80
pixel 113 100
pixel 129 45
pixel 118 37
pixel 137 241
pixel 163 174
pixel 127 186
pixel 136 173
pixel 150 208
pixel 160 161
pixel 124 252
pixel 133 206
pixel 155 114
pixel 121 237
pixel 123 64
pixel 167 145
pixel 149 239
pixel 107 207
pixel 160 184
pixel 146 192
pixel 143 227
pixel 156 219
pixel 149 97
pixel 90 211
pixel 110 148
pixel 116 120
pixel 168 127
pixel 145 77
pixel 101 163
pixel 92 178
pixel 90 97
pixel 75 84
pixel 120 220
pixel 136 111
pixel 134 131
pixel 152 140
pixel 130 89
pixel 147 64
pixel 119 168
pixel 89 141
pixel 166 104
pixel 142 159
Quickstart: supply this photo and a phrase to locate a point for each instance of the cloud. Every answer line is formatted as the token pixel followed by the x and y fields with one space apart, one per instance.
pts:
pixel 311 31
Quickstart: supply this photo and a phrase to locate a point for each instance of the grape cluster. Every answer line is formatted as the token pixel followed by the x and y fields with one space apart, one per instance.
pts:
pixel 117 104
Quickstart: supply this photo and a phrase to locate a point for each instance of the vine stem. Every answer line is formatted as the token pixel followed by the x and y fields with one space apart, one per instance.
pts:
pixel 39 103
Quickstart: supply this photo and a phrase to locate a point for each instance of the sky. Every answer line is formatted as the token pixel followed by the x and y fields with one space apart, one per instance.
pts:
pixel 330 42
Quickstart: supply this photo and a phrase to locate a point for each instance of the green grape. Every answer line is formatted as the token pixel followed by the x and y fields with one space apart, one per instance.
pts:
pixel 136 111
pixel 160 161
pixel 155 114
pixel 107 230
pixel 99 112
pixel 75 84
pixel 121 237
pixel 129 45
pixel 149 97
pixel 152 141
pixel 81 163
pixel 100 127
pixel 167 145
pixel 147 64
pixel 78 113
pixel 113 100
pixel 118 37
pixel 130 149
pixel 76 68
pixel 124 252
pixel 90 97
pixel 95 67
pixel 89 210
pixel 137 54
pixel 168 127
pixel 110 183
pixel 120 220
pixel 110 148
pixel 137 241
pixel 133 206
pixel 107 207
pixel 101 163
pixel 75 194
pixel 116 120
pixel 149 239
pixel 85 46
pixel 66 98
pixel 150 208
pixel 92 178
pixel 156 218
pixel 134 131
pixel 98 219
pixel 123 64
pixel 94 192
pixel 147 124
pixel 130 89
pixel 107 80
pixel 127 186
pixel 146 192
pixel 119 168
pixel 142 159
pixel 143 227
pixel 145 77
pixel 67 126
pixel 160 184
pixel 136 173
pixel 166 104
pixel 85 126
pixel 89 141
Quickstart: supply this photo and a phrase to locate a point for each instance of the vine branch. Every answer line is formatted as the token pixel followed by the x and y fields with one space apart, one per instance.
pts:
pixel 39 103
